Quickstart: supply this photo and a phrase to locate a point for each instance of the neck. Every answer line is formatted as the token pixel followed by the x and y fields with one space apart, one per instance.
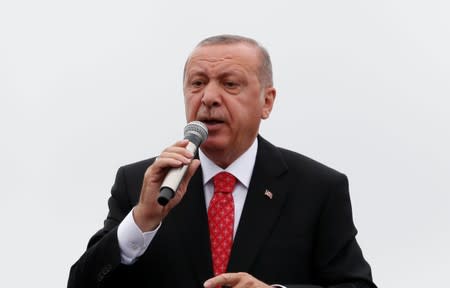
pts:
pixel 225 157
pixel 222 158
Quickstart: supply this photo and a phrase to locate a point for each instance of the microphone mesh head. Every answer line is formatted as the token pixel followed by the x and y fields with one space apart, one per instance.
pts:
pixel 197 128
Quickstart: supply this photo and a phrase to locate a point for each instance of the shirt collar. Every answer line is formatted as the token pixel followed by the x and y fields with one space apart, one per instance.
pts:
pixel 241 168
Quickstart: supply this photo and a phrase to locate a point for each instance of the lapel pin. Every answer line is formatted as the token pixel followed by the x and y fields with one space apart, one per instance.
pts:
pixel 268 194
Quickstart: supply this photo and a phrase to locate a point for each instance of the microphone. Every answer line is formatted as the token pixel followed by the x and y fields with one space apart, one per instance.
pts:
pixel 196 132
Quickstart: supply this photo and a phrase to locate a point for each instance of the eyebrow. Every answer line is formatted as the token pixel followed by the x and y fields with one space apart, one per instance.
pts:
pixel 201 72
pixel 195 72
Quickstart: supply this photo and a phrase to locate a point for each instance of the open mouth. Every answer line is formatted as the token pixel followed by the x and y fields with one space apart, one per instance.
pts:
pixel 212 122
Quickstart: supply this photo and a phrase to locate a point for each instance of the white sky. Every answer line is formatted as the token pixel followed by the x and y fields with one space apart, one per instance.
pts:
pixel 87 86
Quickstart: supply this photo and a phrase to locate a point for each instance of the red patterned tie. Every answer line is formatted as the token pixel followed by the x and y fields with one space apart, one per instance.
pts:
pixel 221 221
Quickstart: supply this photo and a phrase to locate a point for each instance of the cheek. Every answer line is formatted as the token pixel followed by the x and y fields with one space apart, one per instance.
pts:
pixel 191 107
pixel 252 109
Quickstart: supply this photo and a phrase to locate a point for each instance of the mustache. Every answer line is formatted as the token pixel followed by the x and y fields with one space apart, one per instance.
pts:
pixel 206 115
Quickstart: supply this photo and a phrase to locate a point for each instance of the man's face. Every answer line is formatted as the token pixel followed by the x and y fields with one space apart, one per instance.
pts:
pixel 222 89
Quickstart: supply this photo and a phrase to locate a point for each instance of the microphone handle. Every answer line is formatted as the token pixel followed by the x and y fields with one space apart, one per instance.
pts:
pixel 173 179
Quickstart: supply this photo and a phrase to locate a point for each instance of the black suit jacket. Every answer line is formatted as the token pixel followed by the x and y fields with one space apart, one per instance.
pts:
pixel 303 235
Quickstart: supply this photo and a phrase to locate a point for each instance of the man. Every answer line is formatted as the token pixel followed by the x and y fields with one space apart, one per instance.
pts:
pixel 287 219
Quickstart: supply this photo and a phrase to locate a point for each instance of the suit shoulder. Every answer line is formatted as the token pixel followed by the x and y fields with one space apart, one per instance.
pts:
pixel 129 178
pixel 308 166
pixel 137 168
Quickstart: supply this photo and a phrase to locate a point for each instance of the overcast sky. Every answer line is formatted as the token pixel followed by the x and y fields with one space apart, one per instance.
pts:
pixel 88 86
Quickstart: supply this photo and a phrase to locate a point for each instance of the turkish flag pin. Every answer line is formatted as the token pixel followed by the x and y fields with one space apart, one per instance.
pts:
pixel 268 194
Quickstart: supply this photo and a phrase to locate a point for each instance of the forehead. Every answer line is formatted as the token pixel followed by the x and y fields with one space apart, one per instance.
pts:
pixel 212 56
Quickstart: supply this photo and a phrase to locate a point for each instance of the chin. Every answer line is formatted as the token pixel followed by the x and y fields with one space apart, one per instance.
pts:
pixel 212 144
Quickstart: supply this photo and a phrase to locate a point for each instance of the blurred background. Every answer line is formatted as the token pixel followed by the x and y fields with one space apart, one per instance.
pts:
pixel 88 86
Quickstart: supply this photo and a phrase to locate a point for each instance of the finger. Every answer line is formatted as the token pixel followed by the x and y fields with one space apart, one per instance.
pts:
pixel 158 169
pixel 184 183
pixel 178 149
pixel 183 156
pixel 225 279
pixel 189 173
pixel 179 144
pixel 173 157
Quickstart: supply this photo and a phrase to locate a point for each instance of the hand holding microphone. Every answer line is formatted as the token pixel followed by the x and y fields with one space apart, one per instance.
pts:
pixel 167 178
pixel 196 132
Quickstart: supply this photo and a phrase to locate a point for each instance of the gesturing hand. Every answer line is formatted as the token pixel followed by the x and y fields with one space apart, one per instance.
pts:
pixel 235 280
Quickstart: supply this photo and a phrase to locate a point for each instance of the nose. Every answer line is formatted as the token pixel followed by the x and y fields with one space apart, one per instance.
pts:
pixel 211 95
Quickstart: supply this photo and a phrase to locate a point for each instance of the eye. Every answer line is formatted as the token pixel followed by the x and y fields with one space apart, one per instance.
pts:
pixel 230 84
pixel 197 83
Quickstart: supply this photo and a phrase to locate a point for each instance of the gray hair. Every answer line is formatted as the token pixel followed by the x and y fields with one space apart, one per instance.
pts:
pixel 265 70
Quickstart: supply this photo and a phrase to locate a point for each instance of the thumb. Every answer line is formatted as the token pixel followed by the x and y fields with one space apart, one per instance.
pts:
pixel 189 173
pixel 184 183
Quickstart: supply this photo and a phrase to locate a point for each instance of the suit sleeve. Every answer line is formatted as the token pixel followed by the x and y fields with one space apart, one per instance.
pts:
pixel 338 258
pixel 101 261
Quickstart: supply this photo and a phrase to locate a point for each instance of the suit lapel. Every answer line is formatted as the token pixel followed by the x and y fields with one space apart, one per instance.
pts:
pixel 260 211
pixel 258 216
pixel 193 227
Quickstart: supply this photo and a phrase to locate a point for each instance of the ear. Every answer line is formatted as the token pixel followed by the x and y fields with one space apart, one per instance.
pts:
pixel 269 99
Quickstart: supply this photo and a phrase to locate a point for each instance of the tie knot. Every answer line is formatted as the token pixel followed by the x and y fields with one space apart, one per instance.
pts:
pixel 224 182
